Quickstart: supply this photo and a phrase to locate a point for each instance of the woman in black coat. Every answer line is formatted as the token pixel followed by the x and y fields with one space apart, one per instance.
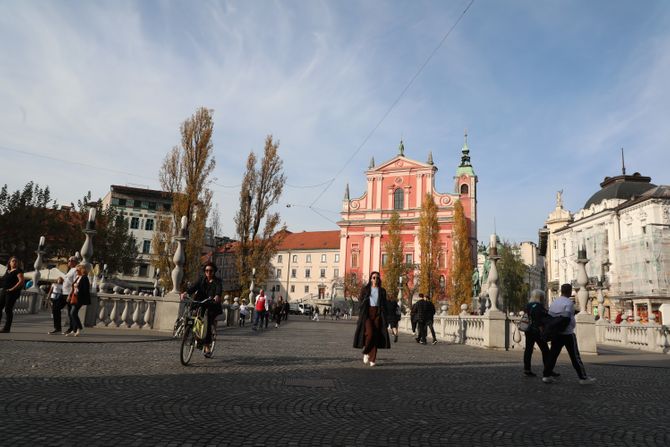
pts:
pixel 80 296
pixel 371 333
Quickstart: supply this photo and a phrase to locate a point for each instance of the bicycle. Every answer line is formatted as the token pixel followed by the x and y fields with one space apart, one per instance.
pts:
pixel 180 322
pixel 195 330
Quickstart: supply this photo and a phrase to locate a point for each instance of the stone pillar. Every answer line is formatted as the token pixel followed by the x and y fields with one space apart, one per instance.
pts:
pixel 167 307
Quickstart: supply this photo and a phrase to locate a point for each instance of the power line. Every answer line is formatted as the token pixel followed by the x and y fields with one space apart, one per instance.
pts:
pixel 397 100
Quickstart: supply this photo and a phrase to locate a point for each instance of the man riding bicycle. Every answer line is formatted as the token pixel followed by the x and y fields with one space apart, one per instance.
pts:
pixel 208 286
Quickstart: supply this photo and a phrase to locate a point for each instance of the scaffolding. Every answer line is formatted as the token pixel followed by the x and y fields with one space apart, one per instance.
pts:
pixel 643 264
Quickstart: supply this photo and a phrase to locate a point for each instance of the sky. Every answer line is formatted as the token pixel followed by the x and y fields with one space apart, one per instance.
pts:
pixel 93 94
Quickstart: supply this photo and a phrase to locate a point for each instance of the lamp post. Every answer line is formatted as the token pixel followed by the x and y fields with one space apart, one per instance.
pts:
pixel 179 257
pixel 38 265
pixel 87 248
pixel 251 286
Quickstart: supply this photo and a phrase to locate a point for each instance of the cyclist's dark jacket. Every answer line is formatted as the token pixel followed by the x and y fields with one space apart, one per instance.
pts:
pixel 208 289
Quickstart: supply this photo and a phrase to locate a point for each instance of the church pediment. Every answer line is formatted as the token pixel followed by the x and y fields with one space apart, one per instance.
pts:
pixel 400 163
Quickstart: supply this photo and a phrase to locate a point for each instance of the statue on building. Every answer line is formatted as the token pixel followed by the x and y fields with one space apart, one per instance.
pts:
pixel 476 285
pixel 559 199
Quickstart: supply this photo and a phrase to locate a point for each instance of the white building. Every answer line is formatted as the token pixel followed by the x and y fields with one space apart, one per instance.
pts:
pixel 625 227
pixel 142 207
pixel 307 267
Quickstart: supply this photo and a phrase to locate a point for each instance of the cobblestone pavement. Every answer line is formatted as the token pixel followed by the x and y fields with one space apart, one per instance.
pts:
pixel 304 384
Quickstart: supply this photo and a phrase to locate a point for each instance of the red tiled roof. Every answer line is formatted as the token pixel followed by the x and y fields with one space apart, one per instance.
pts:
pixel 311 240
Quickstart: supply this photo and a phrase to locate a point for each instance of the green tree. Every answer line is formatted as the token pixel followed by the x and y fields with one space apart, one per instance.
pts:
pixel 512 274
pixel 429 242
pixel 257 227
pixel 460 283
pixel 393 248
pixel 185 173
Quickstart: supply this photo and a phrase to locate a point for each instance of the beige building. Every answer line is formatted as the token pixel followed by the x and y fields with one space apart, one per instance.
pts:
pixel 142 207
pixel 625 228
pixel 307 267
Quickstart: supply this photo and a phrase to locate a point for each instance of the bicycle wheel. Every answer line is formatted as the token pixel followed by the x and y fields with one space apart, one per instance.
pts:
pixel 187 346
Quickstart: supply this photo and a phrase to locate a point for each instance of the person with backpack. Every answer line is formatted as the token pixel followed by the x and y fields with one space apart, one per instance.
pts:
pixel 536 314
pixel 564 307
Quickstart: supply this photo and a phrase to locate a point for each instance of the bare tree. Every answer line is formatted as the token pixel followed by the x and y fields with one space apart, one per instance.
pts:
pixel 185 173
pixel 256 225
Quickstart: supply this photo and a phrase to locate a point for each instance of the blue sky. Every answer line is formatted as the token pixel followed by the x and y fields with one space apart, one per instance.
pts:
pixel 548 90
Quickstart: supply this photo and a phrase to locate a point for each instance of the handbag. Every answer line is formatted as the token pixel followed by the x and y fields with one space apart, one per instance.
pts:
pixel 524 323
pixel 72 299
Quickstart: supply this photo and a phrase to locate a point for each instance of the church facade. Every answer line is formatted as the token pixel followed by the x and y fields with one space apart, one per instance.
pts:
pixel 401 184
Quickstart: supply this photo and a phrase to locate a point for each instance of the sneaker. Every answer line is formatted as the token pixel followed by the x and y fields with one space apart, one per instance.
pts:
pixel 4 331
pixel 372 363
pixel 548 379
pixel 434 342
pixel 76 334
pixel 553 374
pixel 422 342
pixel 68 333
pixel 418 340
pixel 366 359
pixel 395 338
pixel 54 332
pixel 587 381
pixel 529 374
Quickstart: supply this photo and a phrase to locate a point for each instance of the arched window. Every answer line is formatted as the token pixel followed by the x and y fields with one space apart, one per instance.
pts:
pixel 398 199
pixel 464 189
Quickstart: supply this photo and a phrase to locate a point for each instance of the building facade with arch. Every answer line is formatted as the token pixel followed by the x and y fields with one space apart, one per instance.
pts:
pixel 401 184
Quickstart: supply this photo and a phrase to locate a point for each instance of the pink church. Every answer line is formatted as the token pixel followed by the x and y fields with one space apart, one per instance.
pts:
pixel 401 184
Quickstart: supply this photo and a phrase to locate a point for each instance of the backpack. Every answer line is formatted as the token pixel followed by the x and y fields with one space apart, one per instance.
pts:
pixel 553 326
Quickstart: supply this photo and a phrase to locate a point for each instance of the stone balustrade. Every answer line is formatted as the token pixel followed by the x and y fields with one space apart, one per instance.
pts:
pixel 125 311
pixel 29 302
pixel 650 336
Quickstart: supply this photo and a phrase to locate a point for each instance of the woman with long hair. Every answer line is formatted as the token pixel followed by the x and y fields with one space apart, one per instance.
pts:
pixel 80 296
pixel 371 333
pixel 12 283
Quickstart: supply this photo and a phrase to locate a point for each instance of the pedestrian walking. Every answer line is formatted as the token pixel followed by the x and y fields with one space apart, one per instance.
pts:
pixel 423 315
pixel 287 308
pixel 431 318
pixel 371 333
pixel 278 311
pixel 392 317
pixel 412 314
pixel 12 284
pixel 79 296
pixel 269 308
pixel 58 302
pixel 68 281
pixel 536 314
pixel 260 311
pixel 244 312
pixel 564 307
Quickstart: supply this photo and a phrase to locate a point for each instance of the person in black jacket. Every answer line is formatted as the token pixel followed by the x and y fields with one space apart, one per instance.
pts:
pixel 208 286
pixel 371 333
pixel 12 283
pixel 424 313
pixel 80 296
pixel 536 313
pixel 392 318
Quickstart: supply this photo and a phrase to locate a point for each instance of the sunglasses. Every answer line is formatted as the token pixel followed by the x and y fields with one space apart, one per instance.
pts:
pixel 208 270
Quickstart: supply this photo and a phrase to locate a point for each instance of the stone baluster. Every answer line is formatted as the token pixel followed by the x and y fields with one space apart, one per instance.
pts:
pixel 582 280
pixel 493 275
pixel 114 313
pixel 179 257
pixel 251 286
pixel 126 311
pixel 38 266
pixel 601 303
pixel 136 315
pixel 147 316
pixel 156 289
pixel 102 315
pixel 87 249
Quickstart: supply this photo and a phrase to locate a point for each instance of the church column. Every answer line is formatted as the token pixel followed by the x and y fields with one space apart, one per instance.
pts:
pixel 378 200
pixel 366 257
pixel 368 198
pixel 406 191
pixel 376 251
pixel 390 197
pixel 419 189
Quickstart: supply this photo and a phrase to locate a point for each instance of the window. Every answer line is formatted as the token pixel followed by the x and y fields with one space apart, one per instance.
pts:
pixel 385 259
pixel 464 189
pixel 119 221
pixel 144 204
pixel 408 258
pixel 295 258
pixel 146 247
pixel 144 270
pixel 308 272
pixel 149 225
pixel 167 207
pixel 292 289
pixel 306 289
pixel 308 258
pixel 278 273
pixel 323 258
pixel 152 205
pixel 337 257
pixel 280 258
pixel 323 273
pixel 122 202
pixel 134 223
pixel 294 273
pixel 398 199
pixel 354 260
pixel 336 273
